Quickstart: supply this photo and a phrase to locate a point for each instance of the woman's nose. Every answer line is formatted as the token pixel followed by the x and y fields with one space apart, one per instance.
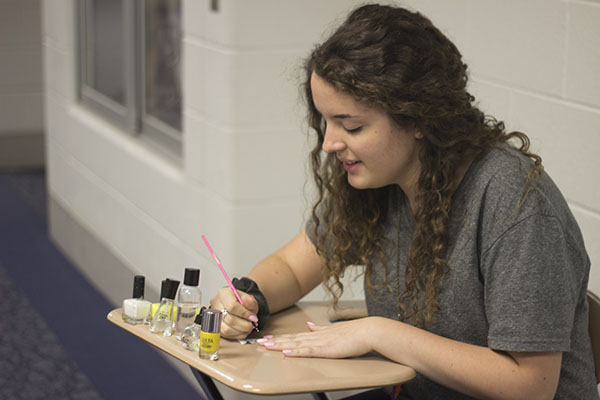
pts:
pixel 332 142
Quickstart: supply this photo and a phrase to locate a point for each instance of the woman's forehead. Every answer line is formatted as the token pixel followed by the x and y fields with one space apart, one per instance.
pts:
pixel 334 103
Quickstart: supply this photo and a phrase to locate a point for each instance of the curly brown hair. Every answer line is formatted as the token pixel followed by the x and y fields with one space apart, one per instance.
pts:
pixel 396 60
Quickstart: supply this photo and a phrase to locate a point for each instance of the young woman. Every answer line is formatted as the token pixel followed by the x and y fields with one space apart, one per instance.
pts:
pixel 475 269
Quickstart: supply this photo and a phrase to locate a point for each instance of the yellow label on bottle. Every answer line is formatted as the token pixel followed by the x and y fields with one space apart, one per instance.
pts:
pixel 209 342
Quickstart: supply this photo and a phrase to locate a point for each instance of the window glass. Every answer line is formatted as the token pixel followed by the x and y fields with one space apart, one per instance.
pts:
pixel 105 49
pixel 162 61
pixel 130 67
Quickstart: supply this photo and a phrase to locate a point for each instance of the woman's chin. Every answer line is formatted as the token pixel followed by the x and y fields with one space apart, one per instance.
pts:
pixel 359 184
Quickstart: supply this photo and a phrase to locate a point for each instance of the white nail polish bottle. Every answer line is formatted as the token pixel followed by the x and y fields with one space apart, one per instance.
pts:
pixel 136 309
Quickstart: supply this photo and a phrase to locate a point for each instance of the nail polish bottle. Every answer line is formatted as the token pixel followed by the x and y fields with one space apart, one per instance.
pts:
pixel 163 290
pixel 210 334
pixel 189 298
pixel 136 309
pixel 191 334
pixel 163 320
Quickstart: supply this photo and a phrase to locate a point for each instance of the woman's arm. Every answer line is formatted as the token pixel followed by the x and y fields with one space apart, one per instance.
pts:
pixel 283 277
pixel 290 273
pixel 474 370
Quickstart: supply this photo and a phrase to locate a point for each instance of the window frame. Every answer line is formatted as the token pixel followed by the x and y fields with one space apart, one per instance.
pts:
pixel 131 116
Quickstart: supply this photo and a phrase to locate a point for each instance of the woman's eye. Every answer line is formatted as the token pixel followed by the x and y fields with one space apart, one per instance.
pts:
pixel 353 130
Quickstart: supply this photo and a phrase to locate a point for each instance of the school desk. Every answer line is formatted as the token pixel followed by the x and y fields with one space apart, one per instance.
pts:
pixel 253 369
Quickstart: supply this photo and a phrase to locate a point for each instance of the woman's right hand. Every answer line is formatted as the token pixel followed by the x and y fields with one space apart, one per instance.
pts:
pixel 240 318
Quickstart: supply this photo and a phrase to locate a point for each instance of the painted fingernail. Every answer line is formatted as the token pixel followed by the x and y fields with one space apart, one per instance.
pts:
pixel 310 323
pixel 286 352
pixel 269 344
pixel 262 340
pixel 253 318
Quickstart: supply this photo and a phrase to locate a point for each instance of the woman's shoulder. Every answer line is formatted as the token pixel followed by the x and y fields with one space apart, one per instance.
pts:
pixel 503 183
pixel 501 165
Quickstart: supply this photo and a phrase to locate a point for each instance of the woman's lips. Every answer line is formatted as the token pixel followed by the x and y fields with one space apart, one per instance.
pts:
pixel 351 166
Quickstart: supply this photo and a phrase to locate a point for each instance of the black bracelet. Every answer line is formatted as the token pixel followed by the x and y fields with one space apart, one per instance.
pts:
pixel 247 285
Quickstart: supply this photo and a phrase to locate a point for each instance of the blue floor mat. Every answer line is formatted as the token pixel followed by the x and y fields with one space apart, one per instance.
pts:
pixel 117 364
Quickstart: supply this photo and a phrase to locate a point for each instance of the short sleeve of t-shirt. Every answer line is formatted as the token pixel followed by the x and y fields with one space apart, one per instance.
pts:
pixel 531 288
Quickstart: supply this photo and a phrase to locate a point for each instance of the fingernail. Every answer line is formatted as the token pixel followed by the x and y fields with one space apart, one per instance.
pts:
pixel 253 318
pixel 310 323
pixel 286 352
pixel 262 340
pixel 269 344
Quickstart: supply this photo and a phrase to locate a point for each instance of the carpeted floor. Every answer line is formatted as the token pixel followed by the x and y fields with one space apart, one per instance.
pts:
pixel 34 364
pixel 55 341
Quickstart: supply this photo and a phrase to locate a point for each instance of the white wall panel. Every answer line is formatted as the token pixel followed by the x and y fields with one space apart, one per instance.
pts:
pixel 135 237
pixel 583 54
pixel 241 89
pixel 59 22
pixel 568 138
pixel 520 43
pixel 60 73
pixel 264 23
pixel 247 166
pixel 492 98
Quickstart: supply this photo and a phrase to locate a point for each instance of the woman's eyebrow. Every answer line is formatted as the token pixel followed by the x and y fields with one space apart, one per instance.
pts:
pixel 344 116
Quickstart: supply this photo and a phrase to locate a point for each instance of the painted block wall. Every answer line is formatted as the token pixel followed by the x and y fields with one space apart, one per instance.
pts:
pixel 21 100
pixel 533 64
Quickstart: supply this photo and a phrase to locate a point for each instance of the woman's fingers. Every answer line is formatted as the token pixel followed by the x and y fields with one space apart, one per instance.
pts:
pixel 237 321
pixel 235 329
pixel 332 341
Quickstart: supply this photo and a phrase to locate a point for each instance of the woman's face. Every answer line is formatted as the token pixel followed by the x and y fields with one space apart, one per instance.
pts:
pixel 374 151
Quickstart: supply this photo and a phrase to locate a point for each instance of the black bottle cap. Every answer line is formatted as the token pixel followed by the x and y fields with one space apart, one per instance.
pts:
pixel 163 288
pixel 171 289
pixel 192 277
pixel 139 282
pixel 198 319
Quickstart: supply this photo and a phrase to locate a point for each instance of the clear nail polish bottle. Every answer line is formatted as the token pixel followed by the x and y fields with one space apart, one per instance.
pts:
pixel 189 298
pixel 210 334
pixel 163 320
pixel 136 309
pixel 163 291
pixel 191 334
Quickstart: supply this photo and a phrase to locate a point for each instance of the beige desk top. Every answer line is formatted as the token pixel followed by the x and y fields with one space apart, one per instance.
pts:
pixel 253 369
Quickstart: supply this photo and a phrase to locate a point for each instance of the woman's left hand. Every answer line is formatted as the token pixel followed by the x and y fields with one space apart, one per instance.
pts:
pixel 341 340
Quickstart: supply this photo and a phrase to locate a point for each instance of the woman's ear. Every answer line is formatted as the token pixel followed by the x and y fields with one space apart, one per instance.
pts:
pixel 418 134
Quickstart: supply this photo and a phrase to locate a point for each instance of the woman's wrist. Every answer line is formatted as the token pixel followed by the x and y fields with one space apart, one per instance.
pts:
pixel 374 325
pixel 250 287
pixel 390 338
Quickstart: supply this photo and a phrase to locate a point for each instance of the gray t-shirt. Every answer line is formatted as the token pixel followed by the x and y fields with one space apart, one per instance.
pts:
pixel 517 278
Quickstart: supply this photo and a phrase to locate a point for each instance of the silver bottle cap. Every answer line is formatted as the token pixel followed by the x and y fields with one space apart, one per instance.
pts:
pixel 211 321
